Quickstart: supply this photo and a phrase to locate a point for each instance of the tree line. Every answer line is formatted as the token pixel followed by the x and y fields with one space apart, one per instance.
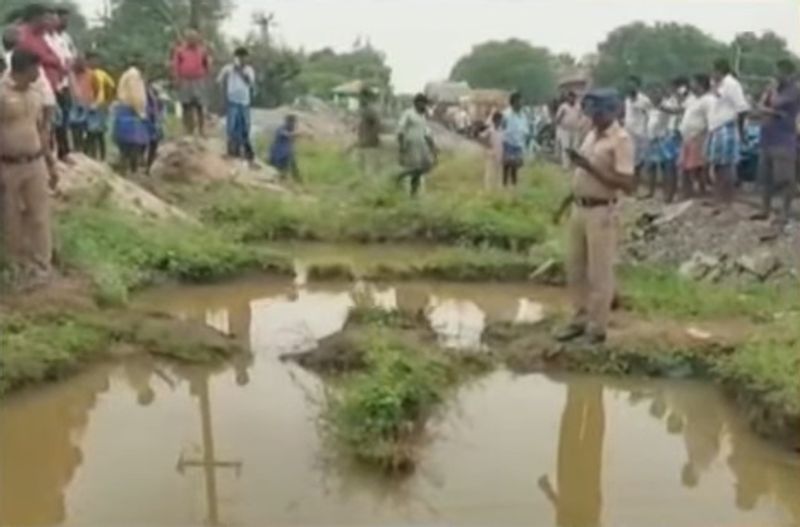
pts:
pixel 655 53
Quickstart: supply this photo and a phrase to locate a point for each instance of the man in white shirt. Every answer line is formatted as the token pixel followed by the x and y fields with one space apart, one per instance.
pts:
pixel 659 159
pixel 569 120
pixel 726 127
pixel 694 132
pixel 637 106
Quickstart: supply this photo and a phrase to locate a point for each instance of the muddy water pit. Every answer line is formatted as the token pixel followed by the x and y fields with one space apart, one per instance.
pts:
pixel 143 443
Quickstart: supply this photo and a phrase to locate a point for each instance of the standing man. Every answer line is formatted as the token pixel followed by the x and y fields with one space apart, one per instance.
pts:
pixel 30 36
pixel 369 135
pixel 694 130
pixel 726 125
pixel 637 107
pixel 26 165
pixel 604 167
pixel 191 65
pixel 516 134
pixel 778 158
pixel 417 149
pixel 238 81
pixel 60 41
pixel 569 119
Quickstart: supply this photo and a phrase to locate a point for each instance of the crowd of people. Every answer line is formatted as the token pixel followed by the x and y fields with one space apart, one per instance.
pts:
pixel 56 99
pixel 692 137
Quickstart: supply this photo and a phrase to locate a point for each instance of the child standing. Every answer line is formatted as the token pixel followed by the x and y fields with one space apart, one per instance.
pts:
pixel 282 153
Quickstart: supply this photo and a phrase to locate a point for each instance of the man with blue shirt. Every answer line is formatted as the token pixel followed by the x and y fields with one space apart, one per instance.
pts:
pixel 238 83
pixel 516 134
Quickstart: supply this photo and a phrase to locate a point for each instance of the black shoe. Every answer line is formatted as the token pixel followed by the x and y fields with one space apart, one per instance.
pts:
pixel 595 338
pixel 570 332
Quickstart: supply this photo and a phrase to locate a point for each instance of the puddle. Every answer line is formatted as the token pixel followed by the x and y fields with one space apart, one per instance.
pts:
pixel 141 443
pixel 281 317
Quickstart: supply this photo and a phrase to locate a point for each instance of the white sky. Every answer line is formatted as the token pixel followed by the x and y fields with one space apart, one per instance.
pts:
pixel 422 39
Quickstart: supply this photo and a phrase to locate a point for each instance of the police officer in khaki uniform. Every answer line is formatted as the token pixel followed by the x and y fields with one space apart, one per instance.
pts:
pixel 605 166
pixel 26 168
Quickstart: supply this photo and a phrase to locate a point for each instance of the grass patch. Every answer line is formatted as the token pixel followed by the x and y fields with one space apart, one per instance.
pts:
pixel 768 366
pixel 120 251
pixel 53 344
pixel 378 414
pixel 653 291
pixel 344 206
pixel 46 349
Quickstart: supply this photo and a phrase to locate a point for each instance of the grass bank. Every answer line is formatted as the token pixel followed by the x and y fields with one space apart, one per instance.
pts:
pixel 120 251
pixel 340 204
pixel 54 342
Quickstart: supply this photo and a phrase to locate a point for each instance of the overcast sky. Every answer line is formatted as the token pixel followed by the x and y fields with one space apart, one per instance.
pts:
pixel 423 38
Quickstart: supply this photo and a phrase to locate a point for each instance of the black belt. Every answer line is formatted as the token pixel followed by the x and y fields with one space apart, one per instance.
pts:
pixel 589 203
pixel 21 159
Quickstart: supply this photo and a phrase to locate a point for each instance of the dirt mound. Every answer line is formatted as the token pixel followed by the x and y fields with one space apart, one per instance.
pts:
pixel 710 245
pixel 203 161
pixel 87 177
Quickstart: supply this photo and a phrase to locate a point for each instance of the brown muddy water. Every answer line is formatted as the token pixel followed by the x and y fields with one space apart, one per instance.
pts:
pixel 141 443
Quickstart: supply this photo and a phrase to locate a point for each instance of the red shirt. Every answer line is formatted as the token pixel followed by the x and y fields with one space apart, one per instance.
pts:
pixel 34 42
pixel 190 62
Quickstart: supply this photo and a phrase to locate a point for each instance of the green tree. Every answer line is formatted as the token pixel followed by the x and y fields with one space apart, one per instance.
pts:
pixel 510 65
pixel 755 57
pixel 150 28
pixel 325 69
pixel 277 69
pixel 655 53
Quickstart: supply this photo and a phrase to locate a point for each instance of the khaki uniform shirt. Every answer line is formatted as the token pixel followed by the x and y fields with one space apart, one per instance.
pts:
pixel 20 115
pixel 611 150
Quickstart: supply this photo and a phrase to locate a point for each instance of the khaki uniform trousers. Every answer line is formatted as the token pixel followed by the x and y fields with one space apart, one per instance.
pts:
pixel 591 255
pixel 26 216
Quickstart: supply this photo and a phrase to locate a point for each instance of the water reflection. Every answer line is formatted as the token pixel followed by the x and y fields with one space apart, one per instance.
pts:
pixel 578 497
pixel 602 452
pixel 292 316
pixel 40 449
pixel 46 436
pixel 208 461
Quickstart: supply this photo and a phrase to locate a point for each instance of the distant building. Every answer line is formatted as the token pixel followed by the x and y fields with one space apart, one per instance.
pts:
pixel 576 79
pixel 446 93
pixel 347 95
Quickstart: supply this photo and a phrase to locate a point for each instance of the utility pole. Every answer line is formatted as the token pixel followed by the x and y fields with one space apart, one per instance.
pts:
pixel 264 23
pixel 209 463
pixel 194 14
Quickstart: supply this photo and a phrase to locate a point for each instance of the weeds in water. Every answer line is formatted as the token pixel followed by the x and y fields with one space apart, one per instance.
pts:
pixel 378 415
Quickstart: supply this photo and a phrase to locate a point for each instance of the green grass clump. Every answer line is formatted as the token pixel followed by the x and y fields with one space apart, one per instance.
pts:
pixel 768 366
pixel 120 251
pixel 46 349
pixel 654 291
pixel 378 415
